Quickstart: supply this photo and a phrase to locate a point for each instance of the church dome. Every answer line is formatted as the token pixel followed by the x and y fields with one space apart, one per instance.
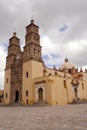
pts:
pixel 67 65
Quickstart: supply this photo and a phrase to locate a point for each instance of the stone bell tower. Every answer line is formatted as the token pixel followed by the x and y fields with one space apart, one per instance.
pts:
pixel 32 49
pixel 13 71
pixel 13 50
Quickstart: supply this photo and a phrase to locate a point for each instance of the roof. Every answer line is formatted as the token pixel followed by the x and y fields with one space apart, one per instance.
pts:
pixel 67 65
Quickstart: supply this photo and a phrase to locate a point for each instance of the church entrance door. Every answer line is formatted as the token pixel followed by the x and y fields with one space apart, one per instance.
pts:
pixel 40 94
pixel 16 96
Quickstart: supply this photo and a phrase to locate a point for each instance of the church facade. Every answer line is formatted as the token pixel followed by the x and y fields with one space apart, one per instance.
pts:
pixel 28 80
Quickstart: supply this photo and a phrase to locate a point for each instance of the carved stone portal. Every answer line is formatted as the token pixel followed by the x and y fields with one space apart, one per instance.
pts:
pixel 40 92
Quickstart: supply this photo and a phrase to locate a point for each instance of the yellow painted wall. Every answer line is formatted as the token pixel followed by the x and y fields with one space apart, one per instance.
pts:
pixel 82 90
pixel 58 92
pixel 55 93
pixel 48 92
pixel 34 69
pixel 7 86
pixel 84 76
pixel 37 69
pixel 27 82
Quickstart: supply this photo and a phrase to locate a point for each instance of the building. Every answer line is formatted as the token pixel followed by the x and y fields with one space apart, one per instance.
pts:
pixel 28 80
pixel 1 95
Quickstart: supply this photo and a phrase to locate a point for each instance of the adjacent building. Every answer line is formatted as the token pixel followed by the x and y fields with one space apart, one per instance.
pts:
pixel 1 95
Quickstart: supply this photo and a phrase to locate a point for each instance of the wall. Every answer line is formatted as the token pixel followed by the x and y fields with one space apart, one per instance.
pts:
pixel 27 82
pixel 34 69
pixel 82 90
pixel 59 93
pixel 37 69
pixel 55 91
pixel 1 95
pixel 7 86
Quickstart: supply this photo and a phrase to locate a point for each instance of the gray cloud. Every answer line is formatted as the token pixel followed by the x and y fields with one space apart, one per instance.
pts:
pixel 50 15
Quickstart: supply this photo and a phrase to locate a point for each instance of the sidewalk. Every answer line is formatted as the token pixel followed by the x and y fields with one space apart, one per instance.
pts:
pixel 68 117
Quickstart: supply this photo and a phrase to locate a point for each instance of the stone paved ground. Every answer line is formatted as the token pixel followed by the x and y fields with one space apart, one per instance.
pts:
pixel 68 117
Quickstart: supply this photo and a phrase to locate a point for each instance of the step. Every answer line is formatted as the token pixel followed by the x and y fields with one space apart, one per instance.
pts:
pixel 79 102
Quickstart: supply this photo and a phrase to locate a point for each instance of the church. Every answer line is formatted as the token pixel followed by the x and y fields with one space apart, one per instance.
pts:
pixel 28 80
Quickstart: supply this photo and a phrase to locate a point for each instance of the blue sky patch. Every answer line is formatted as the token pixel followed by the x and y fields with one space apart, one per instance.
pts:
pixel 4 46
pixel 63 28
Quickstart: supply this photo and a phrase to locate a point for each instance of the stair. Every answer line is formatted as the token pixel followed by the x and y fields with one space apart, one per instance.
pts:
pixel 38 104
pixel 11 105
pixel 79 102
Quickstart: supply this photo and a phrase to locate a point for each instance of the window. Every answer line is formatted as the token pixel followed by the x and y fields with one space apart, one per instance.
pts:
pixel 34 50
pixel 38 52
pixel 6 95
pixel 83 86
pixel 7 80
pixel 27 74
pixel 26 93
pixel 64 83
pixel 14 60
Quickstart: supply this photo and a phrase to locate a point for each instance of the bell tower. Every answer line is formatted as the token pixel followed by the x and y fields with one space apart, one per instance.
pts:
pixel 32 49
pixel 32 61
pixel 12 68
pixel 13 50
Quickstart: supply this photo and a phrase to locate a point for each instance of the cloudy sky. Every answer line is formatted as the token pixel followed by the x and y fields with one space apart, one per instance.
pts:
pixel 63 29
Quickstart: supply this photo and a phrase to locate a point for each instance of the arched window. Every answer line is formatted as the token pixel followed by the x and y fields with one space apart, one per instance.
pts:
pixel 7 80
pixel 64 83
pixel 27 74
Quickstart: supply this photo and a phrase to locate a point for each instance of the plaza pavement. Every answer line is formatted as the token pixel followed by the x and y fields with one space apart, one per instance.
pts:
pixel 68 117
